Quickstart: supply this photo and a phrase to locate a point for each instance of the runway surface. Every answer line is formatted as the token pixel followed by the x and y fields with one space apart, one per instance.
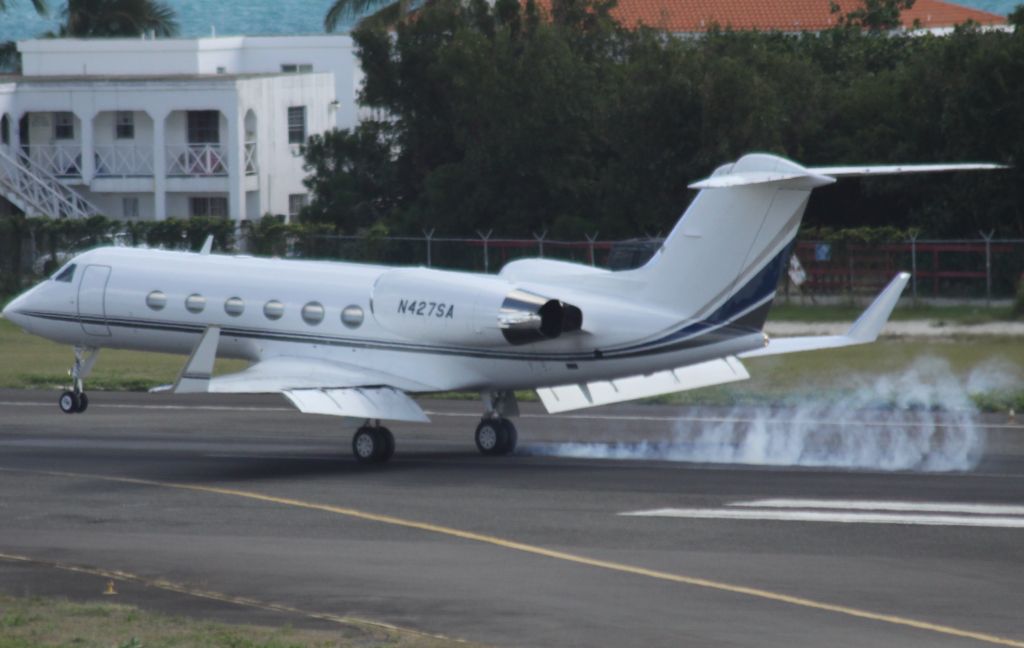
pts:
pixel 244 498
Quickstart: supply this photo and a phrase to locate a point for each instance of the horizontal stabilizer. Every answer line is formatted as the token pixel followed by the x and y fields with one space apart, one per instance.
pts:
pixel 748 178
pixel 863 331
pixel 358 402
pixel 565 398
pixel 900 169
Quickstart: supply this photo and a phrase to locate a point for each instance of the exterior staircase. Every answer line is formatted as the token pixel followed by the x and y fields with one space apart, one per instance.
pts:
pixel 36 191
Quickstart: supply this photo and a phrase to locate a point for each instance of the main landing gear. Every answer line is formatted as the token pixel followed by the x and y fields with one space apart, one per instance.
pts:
pixel 75 400
pixel 373 443
pixel 496 435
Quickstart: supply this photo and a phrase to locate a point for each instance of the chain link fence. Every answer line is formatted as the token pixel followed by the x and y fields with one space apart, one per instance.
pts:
pixel 983 269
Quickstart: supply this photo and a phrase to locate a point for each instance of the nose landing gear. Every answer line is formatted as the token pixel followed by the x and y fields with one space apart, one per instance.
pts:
pixel 75 400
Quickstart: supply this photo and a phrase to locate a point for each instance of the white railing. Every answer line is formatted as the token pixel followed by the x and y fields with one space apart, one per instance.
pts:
pixel 36 191
pixel 250 158
pixel 123 161
pixel 197 160
pixel 57 159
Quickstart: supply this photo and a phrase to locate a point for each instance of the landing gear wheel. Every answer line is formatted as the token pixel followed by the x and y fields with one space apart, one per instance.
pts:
pixel 373 444
pixel 389 444
pixel 83 402
pixel 69 402
pixel 491 436
pixel 511 438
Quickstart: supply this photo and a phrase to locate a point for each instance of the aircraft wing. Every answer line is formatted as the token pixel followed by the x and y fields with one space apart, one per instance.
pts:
pixel 864 330
pixel 314 386
pixel 564 398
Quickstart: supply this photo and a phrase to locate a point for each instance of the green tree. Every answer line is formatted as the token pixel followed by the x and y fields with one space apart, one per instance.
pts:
pixel 371 13
pixel 10 60
pixel 117 18
pixel 876 15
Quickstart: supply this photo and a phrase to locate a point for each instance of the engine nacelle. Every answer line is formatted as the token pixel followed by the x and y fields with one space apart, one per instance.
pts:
pixel 479 310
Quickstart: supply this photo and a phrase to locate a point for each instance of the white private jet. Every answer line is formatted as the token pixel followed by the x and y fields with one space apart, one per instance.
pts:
pixel 355 340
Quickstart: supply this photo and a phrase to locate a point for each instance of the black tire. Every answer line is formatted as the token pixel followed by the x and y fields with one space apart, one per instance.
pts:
pixel 491 437
pixel 389 444
pixel 367 445
pixel 511 437
pixel 68 402
pixel 83 402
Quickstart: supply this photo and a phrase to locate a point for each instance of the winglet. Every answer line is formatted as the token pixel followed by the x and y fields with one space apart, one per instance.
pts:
pixel 863 331
pixel 207 245
pixel 870 323
pixel 195 375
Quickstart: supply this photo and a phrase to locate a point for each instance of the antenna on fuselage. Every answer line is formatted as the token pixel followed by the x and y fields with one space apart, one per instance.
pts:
pixel 207 245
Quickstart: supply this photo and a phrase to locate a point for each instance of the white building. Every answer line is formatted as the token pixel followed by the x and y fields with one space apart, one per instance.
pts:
pixel 150 129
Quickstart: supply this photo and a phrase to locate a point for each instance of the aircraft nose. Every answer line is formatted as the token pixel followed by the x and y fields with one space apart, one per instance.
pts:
pixel 12 311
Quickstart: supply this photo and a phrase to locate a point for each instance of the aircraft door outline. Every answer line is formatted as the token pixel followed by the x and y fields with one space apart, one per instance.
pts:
pixel 92 293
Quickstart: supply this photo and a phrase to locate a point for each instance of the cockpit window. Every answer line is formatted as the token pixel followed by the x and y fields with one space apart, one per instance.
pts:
pixel 66 275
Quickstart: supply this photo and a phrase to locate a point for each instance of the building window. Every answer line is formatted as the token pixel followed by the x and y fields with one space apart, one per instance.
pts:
pixel 5 130
pixel 130 207
pixel 297 125
pixel 203 127
pixel 63 126
pixel 209 206
pixel 124 125
pixel 296 67
pixel 295 204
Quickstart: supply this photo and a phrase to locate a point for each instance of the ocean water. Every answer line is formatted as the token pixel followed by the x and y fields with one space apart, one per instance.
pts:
pixel 196 17
pixel 254 17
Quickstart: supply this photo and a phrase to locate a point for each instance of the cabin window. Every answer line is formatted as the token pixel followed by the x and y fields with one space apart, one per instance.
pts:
pixel 273 310
pixel 313 313
pixel 352 316
pixel 195 303
pixel 234 306
pixel 156 300
pixel 66 275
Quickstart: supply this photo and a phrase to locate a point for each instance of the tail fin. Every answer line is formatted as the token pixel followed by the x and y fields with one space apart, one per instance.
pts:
pixel 724 257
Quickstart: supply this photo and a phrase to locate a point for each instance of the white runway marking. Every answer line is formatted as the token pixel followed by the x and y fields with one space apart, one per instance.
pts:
pixel 854 512
pixel 868 505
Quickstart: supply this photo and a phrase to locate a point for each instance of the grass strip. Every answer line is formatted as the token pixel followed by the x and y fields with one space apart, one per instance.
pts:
pixel 34 622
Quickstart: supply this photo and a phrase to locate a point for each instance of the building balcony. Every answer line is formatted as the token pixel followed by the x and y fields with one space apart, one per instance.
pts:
pixel 63 161
pixel 251 166
pixel 197 161
pixel 124 161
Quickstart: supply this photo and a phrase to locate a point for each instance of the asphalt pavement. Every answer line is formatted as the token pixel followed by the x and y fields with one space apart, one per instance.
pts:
pixel 242 509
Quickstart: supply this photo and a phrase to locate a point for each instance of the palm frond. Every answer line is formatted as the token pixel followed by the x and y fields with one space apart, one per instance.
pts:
pixel 347 9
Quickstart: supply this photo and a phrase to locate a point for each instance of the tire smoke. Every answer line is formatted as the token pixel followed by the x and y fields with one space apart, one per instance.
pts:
pixel 921 418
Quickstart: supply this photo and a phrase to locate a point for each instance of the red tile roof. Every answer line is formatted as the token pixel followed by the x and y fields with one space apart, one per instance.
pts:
pixel 683 16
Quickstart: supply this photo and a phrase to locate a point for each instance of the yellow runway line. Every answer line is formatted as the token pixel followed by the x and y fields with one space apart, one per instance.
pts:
pixel 566 557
